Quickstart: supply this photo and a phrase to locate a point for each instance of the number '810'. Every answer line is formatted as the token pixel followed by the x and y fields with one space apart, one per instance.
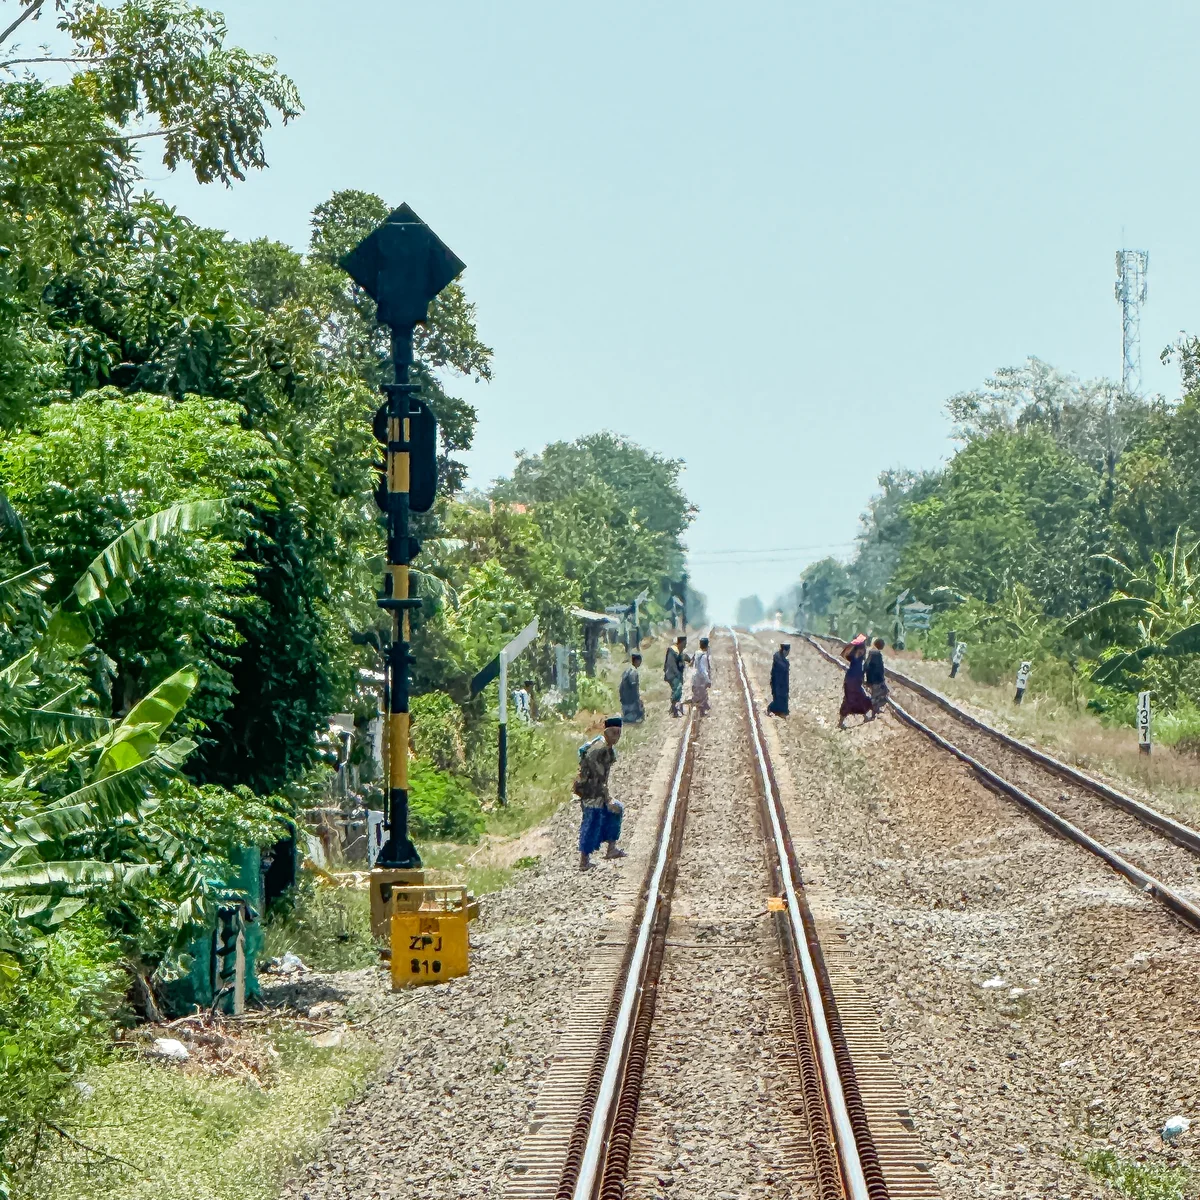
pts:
pixel 423 966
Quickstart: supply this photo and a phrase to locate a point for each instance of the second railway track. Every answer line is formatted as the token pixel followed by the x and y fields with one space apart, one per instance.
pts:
pixel 1157 854
pixel 723 1067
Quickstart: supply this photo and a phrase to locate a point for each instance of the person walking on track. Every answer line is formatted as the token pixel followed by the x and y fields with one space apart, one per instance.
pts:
pixel 702 678
pixel 673 667
pixel 854 698
pixel 601 813
pixel 875 677
pixel 781 671
pixel 633 711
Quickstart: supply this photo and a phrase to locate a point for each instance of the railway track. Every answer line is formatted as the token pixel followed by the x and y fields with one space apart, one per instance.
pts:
pixel 723 1012
pixel 1137 841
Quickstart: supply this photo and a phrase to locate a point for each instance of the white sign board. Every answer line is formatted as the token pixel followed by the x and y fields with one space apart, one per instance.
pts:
pixel 960 648
pixel 374 836
pixel 1023 675
pixel 1143 718
pixel 519 643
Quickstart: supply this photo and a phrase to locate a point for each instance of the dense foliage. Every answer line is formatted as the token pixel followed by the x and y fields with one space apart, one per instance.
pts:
pixel 1062 531
pixel 189 545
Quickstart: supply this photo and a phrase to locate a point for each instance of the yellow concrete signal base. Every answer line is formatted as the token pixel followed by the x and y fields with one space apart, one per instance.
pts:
pixel 428 946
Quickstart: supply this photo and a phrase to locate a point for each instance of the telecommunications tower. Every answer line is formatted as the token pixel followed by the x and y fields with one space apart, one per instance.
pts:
pixel 1130 291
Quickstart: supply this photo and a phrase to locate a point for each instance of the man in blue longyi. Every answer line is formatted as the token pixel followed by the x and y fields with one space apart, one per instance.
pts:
pixel 601 813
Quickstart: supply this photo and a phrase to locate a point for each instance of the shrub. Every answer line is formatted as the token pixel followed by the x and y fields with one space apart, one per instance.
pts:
pixel 329 928
pixel 595 695
pixel 440 806
pixel 437 730
pixel 1139 1180
pixel 525 743
pixel 57 998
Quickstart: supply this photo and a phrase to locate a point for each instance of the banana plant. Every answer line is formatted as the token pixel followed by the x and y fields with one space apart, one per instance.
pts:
pixel 64 631
pixel 76 816
pixel 1159 604
pixel 57 855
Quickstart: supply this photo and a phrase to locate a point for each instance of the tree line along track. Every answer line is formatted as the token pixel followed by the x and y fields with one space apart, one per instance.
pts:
pixel 1084 810
pixel 642 1026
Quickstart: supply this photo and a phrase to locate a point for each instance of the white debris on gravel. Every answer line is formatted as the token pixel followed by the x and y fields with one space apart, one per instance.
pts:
pixel 464 1060
pixel 1175 1128
pixel 918 897
pixel 170 1048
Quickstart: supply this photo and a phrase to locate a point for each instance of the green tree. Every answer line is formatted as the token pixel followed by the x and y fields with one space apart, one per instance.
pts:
pixel 1154 617
pixel 614 513
pixel 164 63
pixel 749 611
pixel 1010 508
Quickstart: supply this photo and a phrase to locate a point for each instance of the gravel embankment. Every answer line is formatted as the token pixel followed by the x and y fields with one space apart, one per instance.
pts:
pixel 465 1058
pixel 715 1115
pixel 1089 1042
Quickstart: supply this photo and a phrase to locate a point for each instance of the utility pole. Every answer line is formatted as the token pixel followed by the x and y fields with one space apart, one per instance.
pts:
pixel 402 266
pixel 1130 291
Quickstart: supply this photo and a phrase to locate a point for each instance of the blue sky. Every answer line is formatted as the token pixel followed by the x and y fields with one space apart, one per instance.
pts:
pixel 767 238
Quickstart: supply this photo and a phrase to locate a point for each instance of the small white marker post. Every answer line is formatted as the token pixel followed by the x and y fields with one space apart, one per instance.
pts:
pixel 960 648
pixel 499 667
pixel 1022 680
pixel 1143 722
pixel 506 656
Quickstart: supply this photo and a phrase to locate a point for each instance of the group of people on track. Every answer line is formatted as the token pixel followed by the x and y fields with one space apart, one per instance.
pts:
pixel 602 815
pixel 864 693
pixel 864 687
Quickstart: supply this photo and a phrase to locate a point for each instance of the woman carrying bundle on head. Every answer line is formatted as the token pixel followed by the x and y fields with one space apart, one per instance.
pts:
pixel 854 696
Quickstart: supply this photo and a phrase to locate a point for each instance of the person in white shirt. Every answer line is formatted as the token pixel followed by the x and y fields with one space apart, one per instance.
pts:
pixel 702 678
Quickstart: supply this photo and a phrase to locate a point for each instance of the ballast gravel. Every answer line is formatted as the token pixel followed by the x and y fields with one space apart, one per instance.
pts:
pixel 716 1112
pixel 464 1060
pixel 1037 1007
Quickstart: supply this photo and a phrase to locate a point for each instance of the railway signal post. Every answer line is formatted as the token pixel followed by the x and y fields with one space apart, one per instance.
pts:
pixel 402 265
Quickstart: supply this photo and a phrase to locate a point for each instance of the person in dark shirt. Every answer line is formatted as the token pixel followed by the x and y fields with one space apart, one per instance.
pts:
pixel 781 671
pixel 633 710
pixel 673 668
pixel 875 677
pixel 854 697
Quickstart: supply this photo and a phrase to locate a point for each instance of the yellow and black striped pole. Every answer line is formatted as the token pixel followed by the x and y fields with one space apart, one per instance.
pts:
pixel 398 851
pixel 402 265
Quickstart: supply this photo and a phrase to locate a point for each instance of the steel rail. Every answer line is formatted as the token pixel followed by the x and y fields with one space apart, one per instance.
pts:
pixel 593 1151
pixel 1179 833
pixel 1172 900
pixel 852 1167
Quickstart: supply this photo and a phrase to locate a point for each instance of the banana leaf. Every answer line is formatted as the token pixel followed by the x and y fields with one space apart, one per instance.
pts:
pixel 73 877
pixel 109 575
pixel 137 735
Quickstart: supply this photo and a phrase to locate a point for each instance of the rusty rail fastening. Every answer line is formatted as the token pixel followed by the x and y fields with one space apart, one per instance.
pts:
pixel 586 1151
pixel 817 1013
pixel 1188 912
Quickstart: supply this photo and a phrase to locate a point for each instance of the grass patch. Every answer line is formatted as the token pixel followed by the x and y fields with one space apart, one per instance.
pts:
pixel 329 928
pixel 1139 1180
pixel 201 1137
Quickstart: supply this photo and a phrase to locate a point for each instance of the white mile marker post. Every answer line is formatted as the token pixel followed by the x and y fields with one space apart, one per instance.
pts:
pixel 960 648
pixel 1143 722
pixel 1022 680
